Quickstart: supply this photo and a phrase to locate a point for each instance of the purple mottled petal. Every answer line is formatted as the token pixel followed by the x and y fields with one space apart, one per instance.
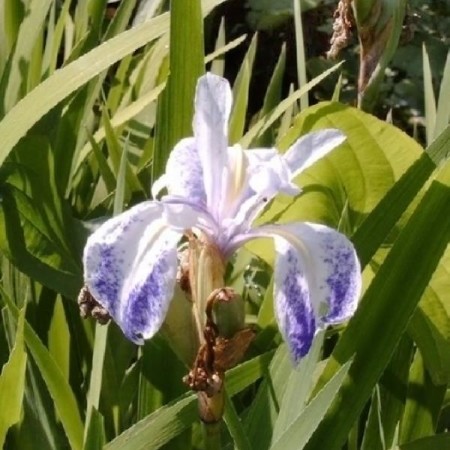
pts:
pixel 184 173
pixel 130 265
pixel 333 269
pixel 310 148
pixel 212 109
pixel 293 308
pixel 317 274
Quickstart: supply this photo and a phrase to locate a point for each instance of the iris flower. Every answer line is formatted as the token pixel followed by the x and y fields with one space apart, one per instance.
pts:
pixel 215 192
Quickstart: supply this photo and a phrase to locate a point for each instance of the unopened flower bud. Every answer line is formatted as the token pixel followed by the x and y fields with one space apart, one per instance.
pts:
pixel 227 311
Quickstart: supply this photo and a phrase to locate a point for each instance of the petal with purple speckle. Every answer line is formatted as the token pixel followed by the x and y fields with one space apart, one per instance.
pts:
pixel 130 265
pixel 333 269
pixel 317 279
pixel 293 308
pixel 184 173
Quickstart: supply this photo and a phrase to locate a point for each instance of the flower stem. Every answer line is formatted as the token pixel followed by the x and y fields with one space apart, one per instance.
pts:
pixel 211 435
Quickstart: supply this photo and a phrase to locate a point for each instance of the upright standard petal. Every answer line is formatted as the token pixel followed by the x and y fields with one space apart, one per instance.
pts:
pixel 310 148
pixel 212 109
pixel 184 173
pixel 130 265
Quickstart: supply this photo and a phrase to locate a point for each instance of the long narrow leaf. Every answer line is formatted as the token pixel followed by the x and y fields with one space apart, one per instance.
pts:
pixel 12 380
pixel 302 426
pixel 186 65
pixel 59 389
pixel 64 81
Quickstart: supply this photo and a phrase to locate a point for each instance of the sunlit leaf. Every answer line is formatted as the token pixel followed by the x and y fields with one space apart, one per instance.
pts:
pixel 12 381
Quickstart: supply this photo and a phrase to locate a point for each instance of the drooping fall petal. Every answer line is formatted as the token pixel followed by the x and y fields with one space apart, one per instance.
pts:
pixel 130 265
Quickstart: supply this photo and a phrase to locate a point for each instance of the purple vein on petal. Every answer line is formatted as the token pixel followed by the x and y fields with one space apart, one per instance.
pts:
pixel 292 302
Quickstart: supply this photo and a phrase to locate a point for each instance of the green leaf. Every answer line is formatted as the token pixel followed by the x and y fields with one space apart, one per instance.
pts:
pixel 234 425
pixel 267 121
pixel 383 314
pixel 116 154
pixel 54 40
pixel 443 107
pixel 172 419
pixel 30 31
pixel 430 326
pixel 304 424
pixel 437 442
pixel 65 81
pixel 105 171
pixel 218 64
pixel 11 16
pixel 23 239
pixel 95 437
pixel 240 94
pixel 175 109
pixel 261 418
pixel 298 389
pixel 95 384
pixel 430 101
pixel 246 373
pixel 272 97
pixel 12 383
pixel 376 226
pixel 35 221
pixel 388 400
pixel 423 405
pixel 300 52
pixel 59 339
pixel 59 389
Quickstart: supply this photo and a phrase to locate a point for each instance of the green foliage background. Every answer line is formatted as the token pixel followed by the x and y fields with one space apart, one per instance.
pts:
pixel 92 102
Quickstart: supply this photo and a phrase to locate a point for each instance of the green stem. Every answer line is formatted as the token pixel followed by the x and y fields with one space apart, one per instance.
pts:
pixel 211 435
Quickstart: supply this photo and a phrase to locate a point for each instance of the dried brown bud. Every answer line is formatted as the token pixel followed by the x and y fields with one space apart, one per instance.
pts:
pixel 342 28
pixel 89 307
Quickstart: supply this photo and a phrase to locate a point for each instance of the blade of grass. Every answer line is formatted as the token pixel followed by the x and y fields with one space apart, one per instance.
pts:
pixel 240 94
pixel 218 65
pixel 300 52
pixel 95 438
pixel 439 441
pixel 12 382
pixel 423 404
pixel 65 81
pixel 430 101
pixel 60 391
pixel 175 108
pixel 30 29
pixel 265 122
pixel 234 425
pixel 272 99
pixel 443 108
pixel 303 425
pixel 298 389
